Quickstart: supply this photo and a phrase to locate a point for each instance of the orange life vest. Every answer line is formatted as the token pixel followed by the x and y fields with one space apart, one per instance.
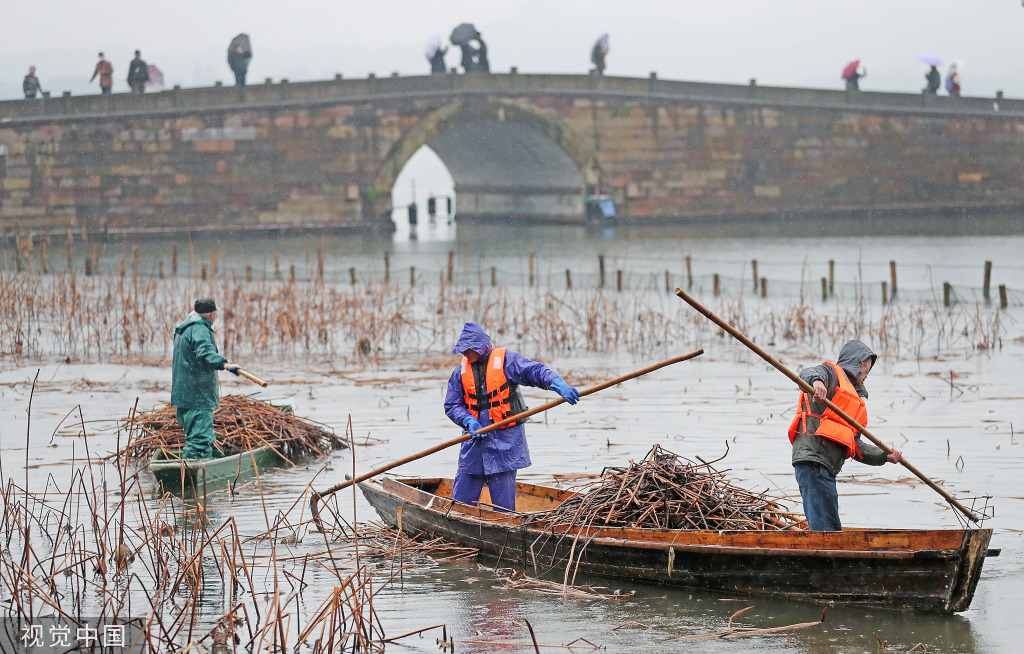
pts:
pixel 830 425
pixel 497 398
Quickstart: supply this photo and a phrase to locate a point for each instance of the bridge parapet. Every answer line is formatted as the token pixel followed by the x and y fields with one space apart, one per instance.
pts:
pixel 285 93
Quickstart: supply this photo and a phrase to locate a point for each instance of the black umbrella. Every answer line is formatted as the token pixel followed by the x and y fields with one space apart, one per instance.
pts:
pixel 242 40
pixel 463 34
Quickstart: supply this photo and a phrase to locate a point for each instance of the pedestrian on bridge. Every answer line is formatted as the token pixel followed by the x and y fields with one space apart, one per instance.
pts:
pixel 484 389
pixel 105 70
pixel 934 80
pixel 31 85
pixel 138 74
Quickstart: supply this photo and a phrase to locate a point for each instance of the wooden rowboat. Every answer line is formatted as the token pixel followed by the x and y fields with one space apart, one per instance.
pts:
pixel 929 570
pixel 201 475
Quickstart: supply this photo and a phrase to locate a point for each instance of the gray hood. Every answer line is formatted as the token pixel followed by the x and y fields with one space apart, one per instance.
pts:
pixel 852 355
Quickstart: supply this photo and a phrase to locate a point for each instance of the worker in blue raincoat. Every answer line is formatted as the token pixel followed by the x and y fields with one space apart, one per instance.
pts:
pixel 482 390
pixel 194 389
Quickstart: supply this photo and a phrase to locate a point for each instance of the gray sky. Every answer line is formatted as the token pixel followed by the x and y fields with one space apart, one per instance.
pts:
pixel 779 42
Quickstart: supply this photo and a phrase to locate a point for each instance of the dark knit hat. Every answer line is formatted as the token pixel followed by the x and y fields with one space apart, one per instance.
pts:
pixel 205 305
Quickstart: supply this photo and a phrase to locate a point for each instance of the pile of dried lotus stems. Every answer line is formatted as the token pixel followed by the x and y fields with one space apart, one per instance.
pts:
pixel 240 423
pixel 667 491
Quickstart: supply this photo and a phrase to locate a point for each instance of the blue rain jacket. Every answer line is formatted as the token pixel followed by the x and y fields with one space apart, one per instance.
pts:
pixel 504 449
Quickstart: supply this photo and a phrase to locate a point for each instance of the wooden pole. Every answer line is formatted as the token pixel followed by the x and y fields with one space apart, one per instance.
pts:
pixel 807 388
pixel 885 294
pixel 387 268
pixel 764 287
pixel 253 378
pixel 824 289
pixel 412 276
pixel 600 270
pixel 689 272
pixel 277 264
pixel 753 267
pixel 568 279
pixel 1002 296
pixel 618 280
pixel 451 265
pixel 988 281
pixel 717 283
pixel 352 275
pixel 831 278
pixel 892 279
pixel 947 291
pixel 316 497
pixel 531 270
pixel 668 282
pixel 494 276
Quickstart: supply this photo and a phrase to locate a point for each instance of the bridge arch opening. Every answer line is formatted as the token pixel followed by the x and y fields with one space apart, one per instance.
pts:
pixel 507 166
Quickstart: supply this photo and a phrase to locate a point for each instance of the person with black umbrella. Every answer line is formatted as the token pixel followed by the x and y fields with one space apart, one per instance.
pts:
pixel 239 56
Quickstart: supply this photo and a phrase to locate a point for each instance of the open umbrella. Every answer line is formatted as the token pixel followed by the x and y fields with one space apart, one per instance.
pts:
pixel 850 68
pixel 433 45
pixel 603 44
pixel 156 79
pixel 242 40
pixel 931 60
pixel 463 34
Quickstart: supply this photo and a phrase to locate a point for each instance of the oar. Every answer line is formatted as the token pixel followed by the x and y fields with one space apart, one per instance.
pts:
pixel 809 389
pixel 315 499
pixel 253 378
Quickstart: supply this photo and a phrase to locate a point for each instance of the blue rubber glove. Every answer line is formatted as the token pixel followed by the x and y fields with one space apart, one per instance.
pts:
pixel 568 393
pixel 472 425
pixel 232 368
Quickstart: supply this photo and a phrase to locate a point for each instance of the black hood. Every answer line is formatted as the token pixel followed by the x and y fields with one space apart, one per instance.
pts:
pixel 852 355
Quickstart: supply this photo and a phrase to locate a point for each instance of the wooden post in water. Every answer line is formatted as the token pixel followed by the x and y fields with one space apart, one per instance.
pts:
pixel 412 276
pixel 753 267
pixel 947 290
pixel 213 260
pixel 668 282
pixel 689 272
pixel 42 257
pixel 320 263
pixel 1002 296
pixel 248 273
pixel 160 268
pixel 202 272
pixel 451 265
pixel 135 261
pixel 764 287
pixel 892 278
pixel 717 283
pixel 831 277
pixel 277 264
pixel 531 270
pixel 88 267
pixel 988 281
pixel 568 279
pixel 494 276
pixel 618 280
pixel 824 289
pixel 291 272
pixel 600 270
pixel 387 268
pixel 885 294
pixel 71 239
pixel 352 275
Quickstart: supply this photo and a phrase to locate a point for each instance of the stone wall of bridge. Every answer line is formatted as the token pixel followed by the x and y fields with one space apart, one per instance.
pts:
pixel 324 155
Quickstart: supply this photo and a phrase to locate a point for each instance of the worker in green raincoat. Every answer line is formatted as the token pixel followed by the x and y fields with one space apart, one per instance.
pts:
pixel 194 390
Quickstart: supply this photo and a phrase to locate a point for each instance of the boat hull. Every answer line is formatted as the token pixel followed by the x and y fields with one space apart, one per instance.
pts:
pixel 203 475
pixel 928 570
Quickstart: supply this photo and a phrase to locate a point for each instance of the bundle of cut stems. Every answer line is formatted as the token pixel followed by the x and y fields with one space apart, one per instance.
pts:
pixel 667 491
pixel 240 423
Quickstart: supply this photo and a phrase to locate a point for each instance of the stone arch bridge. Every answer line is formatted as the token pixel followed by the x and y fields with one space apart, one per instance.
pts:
pixel 325 155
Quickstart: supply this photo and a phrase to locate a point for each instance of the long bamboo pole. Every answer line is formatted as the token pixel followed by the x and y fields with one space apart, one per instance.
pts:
pixel 809 389
pixel 315 499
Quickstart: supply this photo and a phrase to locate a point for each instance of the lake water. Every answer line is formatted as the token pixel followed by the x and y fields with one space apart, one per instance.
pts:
pixel 956 412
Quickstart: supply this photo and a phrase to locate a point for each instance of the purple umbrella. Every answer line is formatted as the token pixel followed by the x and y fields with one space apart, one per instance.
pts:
pixel 931 60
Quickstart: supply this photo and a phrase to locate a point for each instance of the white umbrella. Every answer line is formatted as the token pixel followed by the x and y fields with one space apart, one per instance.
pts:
pixel 433 45
pixel 603 43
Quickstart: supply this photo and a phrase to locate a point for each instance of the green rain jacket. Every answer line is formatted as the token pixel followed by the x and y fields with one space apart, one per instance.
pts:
pixel 196 362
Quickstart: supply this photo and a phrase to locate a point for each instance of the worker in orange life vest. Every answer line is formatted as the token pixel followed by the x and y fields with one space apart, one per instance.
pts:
pixel 484 389
pixel 822 441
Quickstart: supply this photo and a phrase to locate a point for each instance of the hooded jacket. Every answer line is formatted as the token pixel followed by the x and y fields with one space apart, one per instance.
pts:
pixel 808 448
pixel 195 365
pixel 504 449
